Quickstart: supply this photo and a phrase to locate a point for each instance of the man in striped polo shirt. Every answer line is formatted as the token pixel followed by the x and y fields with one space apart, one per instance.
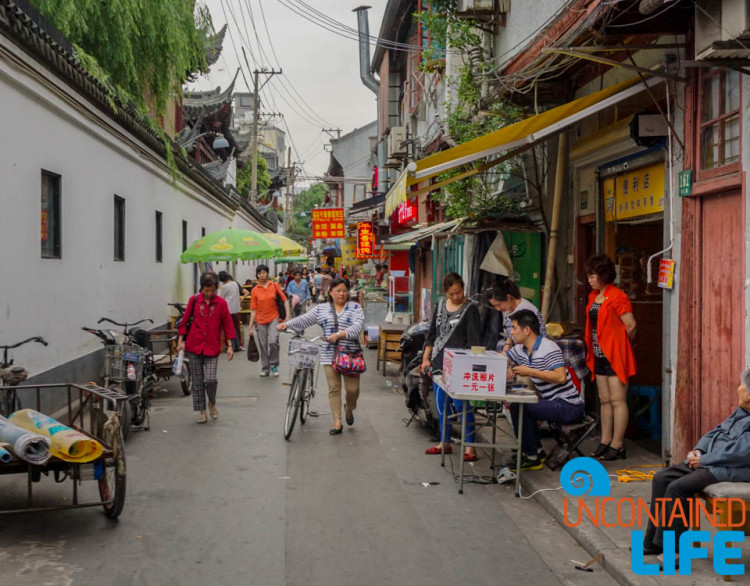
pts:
pixel 542 360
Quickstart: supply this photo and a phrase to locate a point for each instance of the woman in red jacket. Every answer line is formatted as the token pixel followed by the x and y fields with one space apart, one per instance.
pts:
pixel 210 315
pixel 610 329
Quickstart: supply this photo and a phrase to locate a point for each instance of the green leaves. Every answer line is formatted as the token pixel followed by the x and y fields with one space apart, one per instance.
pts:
pixel 245 177
pixel 144 48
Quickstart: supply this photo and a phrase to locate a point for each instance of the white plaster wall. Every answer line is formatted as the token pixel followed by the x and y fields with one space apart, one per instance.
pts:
pixel 353 152
pixel 52 129
pixel 523 22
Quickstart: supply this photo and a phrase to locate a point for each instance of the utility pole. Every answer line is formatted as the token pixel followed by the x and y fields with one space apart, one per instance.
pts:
pixel 328 131
pixel 256 117
pixel 288 212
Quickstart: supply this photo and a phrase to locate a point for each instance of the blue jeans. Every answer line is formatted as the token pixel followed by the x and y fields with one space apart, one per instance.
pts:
pixel 556 411
pixel 458 406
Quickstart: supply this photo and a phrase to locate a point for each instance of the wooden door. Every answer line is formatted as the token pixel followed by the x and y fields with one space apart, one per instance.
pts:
pixel 722 308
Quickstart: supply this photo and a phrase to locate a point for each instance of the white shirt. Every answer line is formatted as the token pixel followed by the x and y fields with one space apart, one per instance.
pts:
pixel 230 292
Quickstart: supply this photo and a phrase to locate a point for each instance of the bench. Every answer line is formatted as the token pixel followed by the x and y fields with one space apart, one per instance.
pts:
pixel 713 494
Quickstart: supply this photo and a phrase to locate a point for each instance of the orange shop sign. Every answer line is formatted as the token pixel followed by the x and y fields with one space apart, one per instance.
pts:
pixel 365 240
pixel 328 223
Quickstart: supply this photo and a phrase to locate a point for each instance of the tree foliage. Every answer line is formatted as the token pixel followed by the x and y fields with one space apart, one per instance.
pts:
pixel 245 178
pixel 142 48
pixel 471 116
pixel 300 226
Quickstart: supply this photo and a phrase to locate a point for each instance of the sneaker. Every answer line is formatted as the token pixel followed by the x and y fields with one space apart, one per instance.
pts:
pixel 264 372
pixel 202 417
pixel 527 463
pixel 541 454
pixel 213 411
pixel 275 370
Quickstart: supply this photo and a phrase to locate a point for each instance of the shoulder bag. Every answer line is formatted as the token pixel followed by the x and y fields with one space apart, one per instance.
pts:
pixel 280 302
pixel 189 311
pixel 346 363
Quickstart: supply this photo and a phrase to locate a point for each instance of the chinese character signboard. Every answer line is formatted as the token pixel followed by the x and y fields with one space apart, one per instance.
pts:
pixel 666 273
pixel 407 212
pixel 328 223
pixel 636 193
pixel 365 240
pixel 686 183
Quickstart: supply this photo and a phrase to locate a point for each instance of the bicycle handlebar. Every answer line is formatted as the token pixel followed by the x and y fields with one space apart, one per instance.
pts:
pixel 301 337
pixel 124 325
pixel 37 339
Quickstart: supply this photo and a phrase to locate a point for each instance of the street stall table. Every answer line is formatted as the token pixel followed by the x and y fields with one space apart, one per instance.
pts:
pixel 522 397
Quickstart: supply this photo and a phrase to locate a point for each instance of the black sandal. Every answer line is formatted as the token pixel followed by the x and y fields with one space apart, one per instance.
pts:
pixel 600 451
pixel 614 454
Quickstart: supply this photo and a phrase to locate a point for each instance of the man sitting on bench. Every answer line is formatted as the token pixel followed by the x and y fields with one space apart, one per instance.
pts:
pixel 722 455
pixel 542 360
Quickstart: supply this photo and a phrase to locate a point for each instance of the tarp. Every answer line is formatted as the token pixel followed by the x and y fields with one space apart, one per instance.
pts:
pixel 497 260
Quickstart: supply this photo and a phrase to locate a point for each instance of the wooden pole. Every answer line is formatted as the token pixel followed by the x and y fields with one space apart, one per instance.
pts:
pixel 562 158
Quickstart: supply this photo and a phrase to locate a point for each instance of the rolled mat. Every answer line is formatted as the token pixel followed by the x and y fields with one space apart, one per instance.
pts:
pixel 5 455
pixel 31 447
pixel 66 444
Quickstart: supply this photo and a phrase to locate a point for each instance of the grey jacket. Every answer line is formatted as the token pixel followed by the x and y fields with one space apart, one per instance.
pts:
pixel 726 448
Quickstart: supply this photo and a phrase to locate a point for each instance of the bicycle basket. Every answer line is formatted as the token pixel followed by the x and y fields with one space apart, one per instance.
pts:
pixel 118 358
pixel 303 354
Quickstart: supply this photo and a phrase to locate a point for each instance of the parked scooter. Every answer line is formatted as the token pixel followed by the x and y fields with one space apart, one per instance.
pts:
pixel 420 400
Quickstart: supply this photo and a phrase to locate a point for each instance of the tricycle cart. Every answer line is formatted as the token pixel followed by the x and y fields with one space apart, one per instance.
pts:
pixel 164 349
pixel 89 409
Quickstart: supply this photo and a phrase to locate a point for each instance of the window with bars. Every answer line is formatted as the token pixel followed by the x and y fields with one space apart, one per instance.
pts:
pixel 719 128
pixel 158 237
pixel 119 231
pixel 50 212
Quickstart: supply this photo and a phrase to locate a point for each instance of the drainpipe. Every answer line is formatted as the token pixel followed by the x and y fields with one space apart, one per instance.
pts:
pixel 373 84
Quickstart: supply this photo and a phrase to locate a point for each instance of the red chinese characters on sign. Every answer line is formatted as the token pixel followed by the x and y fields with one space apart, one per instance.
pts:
pixel 328 223
pixel 365 240
pixel 407 212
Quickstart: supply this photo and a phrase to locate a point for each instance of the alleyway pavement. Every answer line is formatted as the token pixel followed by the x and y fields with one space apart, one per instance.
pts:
pixel 231 502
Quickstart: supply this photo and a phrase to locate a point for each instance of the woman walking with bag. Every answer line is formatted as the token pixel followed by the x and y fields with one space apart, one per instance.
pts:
pixel 343 323
pixel 610 330
pixel 207 314
pixel 266 302
pixel 455 324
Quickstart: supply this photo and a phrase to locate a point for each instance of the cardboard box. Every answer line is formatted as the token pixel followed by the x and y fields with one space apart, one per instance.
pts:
pixel 479 375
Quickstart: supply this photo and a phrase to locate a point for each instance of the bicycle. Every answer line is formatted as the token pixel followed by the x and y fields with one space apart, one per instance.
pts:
pixel 12 376
pixel 129 370
pixel 305 355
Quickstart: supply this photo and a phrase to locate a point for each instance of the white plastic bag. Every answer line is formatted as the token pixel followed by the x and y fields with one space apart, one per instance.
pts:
pixel 177 365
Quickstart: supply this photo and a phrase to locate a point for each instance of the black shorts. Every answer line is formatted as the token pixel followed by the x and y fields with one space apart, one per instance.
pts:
pixel 603 367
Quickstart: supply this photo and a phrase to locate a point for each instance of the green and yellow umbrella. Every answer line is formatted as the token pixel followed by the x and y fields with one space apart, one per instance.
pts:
pixel 288 246
pixel 231 245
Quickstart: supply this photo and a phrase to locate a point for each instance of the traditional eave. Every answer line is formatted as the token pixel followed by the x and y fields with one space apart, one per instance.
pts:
pixel 201 103
pixel 214 44
pixel 396 12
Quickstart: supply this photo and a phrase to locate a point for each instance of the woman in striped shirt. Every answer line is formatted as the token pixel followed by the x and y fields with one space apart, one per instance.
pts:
pixel 351 321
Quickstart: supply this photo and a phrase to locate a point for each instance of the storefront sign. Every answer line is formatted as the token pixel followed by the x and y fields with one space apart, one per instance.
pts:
pixel 637 193
pixel 666 273
pixel 365 240
pixel 686 183
pixel 407 212
pixel 328 223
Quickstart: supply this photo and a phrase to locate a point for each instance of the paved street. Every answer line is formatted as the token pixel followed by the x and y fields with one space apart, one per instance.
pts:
pixel 231 502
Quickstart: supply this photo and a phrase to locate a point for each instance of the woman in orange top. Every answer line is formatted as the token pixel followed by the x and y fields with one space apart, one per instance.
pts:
pixel 610 329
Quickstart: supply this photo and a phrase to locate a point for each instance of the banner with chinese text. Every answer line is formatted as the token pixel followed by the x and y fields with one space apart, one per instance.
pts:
pixel 328 223
pixel 365 240
pixel 636 193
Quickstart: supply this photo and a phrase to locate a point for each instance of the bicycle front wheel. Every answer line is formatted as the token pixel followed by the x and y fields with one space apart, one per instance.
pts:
pixel 293 403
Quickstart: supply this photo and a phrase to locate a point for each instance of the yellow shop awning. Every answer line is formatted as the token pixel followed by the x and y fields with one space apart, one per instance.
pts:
pixel 524 133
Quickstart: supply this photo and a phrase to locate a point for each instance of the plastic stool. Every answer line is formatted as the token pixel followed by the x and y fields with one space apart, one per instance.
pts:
pixel 653 422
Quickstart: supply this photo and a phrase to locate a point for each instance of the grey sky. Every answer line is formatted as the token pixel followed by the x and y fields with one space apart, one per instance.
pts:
pixel 322 66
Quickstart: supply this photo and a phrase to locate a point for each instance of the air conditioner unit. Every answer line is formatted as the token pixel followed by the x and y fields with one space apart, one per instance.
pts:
pixel 395 141
pixel 472 7
pixel 717 24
